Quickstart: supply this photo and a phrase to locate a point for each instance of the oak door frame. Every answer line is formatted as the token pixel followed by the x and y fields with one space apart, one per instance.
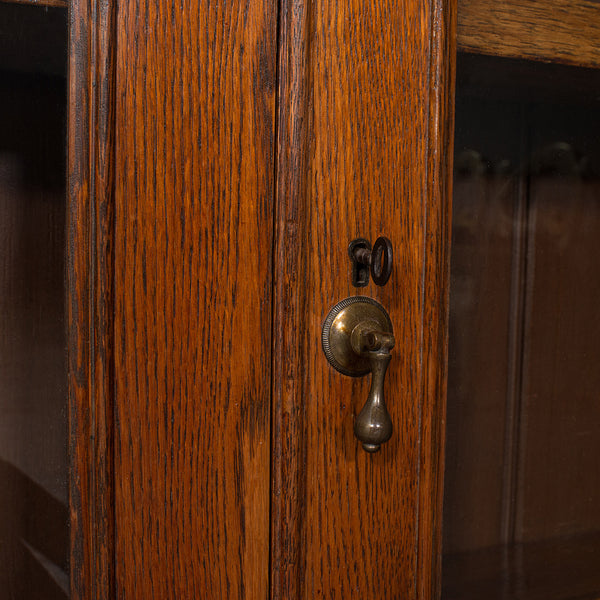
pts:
pixel 289 429
pixel 90 210
pixel 90 303
pixel 436 301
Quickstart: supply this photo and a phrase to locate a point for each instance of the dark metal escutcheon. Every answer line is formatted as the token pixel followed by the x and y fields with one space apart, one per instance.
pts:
pixel 378 260
pixel 357 338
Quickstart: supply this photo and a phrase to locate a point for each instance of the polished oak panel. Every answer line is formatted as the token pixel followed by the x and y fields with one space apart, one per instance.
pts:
pixel 563 31
pixel 90 297
pixel 42 3
pixel 194 217
pixel 362 133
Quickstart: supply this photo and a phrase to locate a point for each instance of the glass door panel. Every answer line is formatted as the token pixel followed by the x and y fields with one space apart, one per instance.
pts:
pixel 34 534
pixel 522 482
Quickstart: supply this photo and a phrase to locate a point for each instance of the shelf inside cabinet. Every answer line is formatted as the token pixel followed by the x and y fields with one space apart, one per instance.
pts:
pixel 556 569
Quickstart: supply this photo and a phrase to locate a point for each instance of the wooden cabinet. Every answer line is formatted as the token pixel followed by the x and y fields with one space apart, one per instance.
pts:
pixel 221 157
pixel 243 168
pixel 235 150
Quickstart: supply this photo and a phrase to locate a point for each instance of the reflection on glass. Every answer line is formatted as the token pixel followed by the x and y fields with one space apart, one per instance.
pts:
pixel 522 487
pixel 34 535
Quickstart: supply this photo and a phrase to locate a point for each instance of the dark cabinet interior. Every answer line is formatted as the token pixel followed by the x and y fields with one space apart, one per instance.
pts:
pixel 34 534
pixel 522 478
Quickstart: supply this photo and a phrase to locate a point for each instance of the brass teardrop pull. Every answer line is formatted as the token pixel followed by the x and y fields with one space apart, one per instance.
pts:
pixel 357 339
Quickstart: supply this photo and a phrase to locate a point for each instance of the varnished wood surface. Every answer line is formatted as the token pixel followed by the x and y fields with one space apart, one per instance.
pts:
pixel 555 30
pixel 90 263
pixel 60 3
pixel 290 335
pixel 437 232
pixel 194 216
pixel 376 118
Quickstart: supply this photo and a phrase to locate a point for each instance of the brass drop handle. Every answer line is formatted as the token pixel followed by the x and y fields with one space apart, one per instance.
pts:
pixel 357 339
pixel 373 426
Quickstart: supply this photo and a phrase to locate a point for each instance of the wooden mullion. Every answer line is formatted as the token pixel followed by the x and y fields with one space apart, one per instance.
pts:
pixel 89 298
pixel 46 3
pixel 288 475
pixel 563 31
pixel 436 271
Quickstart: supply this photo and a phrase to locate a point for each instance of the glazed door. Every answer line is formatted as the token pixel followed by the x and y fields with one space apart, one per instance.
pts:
pixel 167 404
pixel 522 485
pixel 252 142
pixel 362 128
pixel 221 158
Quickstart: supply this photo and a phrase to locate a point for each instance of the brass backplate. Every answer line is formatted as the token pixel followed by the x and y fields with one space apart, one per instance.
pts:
pixel 337 332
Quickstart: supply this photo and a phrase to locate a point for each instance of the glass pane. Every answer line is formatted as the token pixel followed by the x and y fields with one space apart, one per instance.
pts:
pixel 522 487
pixel 34 536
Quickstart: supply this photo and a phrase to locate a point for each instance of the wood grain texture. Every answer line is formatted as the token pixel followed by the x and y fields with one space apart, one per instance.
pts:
pixel 290 338
pixel 193 257
pixel 90 303
pixel 59 3
pixel 369 75
pixel 367 99
pixel 554 30
pixel 436 277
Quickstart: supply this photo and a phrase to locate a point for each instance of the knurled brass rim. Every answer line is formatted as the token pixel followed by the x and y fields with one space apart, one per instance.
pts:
pixel 361 366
